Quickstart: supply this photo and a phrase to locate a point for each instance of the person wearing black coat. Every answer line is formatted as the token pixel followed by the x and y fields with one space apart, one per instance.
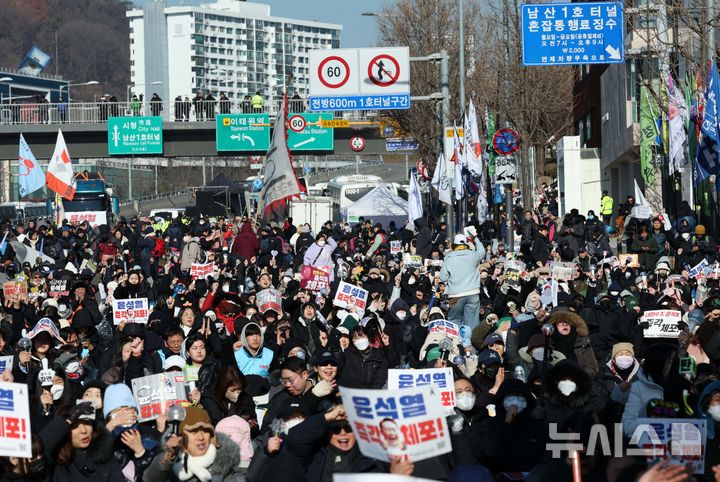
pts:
pixel 423 240
pixel 540 251
pixel 568 390
pixel 364 366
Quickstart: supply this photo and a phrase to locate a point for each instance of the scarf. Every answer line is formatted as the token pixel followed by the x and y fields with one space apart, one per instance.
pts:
pixel 190 467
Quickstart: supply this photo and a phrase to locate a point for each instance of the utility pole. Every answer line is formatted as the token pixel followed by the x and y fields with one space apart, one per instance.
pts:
pixel 445 90
pixel 506 101
pixel 129 178
pixel 461 55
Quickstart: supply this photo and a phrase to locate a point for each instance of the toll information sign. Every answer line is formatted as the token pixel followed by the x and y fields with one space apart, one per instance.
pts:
pixel 242 132
pixel 573 33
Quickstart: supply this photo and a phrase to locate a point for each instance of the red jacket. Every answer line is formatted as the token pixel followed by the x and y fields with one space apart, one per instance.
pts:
pixel 246 243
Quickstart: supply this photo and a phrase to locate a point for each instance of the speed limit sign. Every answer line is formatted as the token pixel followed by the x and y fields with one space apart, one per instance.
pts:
pixel 357 143
pixel 297 123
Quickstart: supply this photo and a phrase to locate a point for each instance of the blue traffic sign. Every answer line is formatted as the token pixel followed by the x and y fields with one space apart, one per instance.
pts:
pixel 361 102
pixel 573 33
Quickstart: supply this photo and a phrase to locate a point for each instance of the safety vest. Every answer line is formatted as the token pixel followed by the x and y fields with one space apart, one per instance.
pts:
pixel 606 205
pixel 257 102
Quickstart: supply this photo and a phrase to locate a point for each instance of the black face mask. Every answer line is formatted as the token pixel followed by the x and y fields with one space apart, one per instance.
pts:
pixel 491 372
pixel 38 467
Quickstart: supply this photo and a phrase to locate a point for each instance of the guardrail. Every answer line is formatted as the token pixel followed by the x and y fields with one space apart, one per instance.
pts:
pixel 170 111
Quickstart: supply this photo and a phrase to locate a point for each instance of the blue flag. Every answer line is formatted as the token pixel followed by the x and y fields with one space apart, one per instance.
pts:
pixel 3 244
pixel 30 175
pixel 707 157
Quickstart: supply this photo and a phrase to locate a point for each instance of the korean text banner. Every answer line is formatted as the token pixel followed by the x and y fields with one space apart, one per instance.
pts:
pixel 681 440
pixel 156 393
pixel 269 299
pixel 131 311
pixel 201 271
pixel 351 297
pixel 661 324
pixel 440 378
pixel 15 434
pixel 315 278
pixel 392 423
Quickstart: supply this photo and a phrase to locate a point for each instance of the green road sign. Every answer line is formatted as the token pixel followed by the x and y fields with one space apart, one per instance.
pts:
pixel 311 137
pixel 238 132
pixel 135 135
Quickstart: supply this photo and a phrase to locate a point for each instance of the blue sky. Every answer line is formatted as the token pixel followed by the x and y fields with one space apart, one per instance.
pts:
pixel 358 31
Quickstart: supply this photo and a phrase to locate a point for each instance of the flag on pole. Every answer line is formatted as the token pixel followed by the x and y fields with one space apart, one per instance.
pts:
pixel 30 175
pixel 415 207
pixel 59 209
pixel 60 177
pixel 3 244
pixel 459 160
pixel 707 161
pixel 279 179
pixel 648 135
pixel 473 147
pixel 677 121
pixel 440 181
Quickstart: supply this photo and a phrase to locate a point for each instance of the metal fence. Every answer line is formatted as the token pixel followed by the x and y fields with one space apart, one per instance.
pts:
pixel 170 111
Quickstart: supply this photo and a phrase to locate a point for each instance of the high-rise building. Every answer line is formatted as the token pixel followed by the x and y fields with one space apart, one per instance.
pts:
pixel 228 46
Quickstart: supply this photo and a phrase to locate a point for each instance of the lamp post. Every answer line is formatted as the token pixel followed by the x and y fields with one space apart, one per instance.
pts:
pixel 127 96
pixel 89 82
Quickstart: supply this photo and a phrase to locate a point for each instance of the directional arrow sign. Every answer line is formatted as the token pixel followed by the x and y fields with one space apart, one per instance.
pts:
pixel 315 136
pixel 241 132
pixel 135 135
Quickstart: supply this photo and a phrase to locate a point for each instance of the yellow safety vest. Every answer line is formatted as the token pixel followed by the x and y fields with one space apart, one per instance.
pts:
pixel 257 102
pixel 606 205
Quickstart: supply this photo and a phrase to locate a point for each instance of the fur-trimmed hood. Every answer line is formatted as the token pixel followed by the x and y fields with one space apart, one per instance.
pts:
pixel 567 369
pixel 227 459
pixel 571 318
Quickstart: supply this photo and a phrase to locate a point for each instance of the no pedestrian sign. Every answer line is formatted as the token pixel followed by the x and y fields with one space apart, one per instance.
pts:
pixel 573 33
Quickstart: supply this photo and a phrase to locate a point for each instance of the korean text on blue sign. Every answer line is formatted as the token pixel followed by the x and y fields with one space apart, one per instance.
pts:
pixel 361 102
pixel 440 378
pixel 573 33
pixel 351 297
pixel 15 433
pixel 391 423
pixel 131 311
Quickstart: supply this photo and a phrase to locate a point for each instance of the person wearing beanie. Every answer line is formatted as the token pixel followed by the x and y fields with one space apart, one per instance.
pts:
pixel 197 454
pixel 703 247
pixel 615 379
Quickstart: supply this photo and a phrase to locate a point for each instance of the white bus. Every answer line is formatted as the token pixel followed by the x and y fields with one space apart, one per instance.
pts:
pixel 345 190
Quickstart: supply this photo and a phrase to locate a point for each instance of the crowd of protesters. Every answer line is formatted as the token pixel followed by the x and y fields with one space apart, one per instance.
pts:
pixel 265 405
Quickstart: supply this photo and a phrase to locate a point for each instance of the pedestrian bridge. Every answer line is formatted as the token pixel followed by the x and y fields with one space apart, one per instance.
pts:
pixel 188 128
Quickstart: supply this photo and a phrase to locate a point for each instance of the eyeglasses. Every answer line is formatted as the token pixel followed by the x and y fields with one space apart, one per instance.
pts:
pixel 337 429
pixel 288 381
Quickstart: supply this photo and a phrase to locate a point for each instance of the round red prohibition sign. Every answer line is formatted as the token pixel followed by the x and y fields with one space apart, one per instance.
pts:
pixel 383 70
pixel 333 78
pixel 357 143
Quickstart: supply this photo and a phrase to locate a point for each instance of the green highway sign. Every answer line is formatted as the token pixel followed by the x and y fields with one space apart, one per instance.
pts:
pixel 312 137
pixel 239 132
pixel 135 135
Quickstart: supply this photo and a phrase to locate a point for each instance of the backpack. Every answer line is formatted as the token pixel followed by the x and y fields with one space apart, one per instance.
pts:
pixel 159 250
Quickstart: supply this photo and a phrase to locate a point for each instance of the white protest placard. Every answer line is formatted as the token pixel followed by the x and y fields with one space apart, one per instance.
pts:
pixel 562 271
pixel 58 287
pixel 154 394
pixel 629 260
pixel 681 440
pixel 452 330
pixel 201 270
pixel 412 260
pixel 699 269
pixel 269 299
pixel 395 246
pixel 661 323
pixel 15 436
pixel 6 363
pixel 440 378
pixel 134 310
pixel 391 423
pixel 351 297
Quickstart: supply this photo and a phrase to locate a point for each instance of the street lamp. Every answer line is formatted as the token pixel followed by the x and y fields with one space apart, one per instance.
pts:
pixel 127 96
pixel 89 82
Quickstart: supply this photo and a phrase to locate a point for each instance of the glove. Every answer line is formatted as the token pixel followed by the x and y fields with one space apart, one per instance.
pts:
pixel 322 389
pixel 81 411
pixel 457 422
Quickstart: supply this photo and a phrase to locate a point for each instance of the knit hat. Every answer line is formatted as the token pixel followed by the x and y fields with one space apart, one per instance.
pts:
pixel 238 430
pixel 700 230
pixel 432 354
pixel 618 347
pixel 535 341
pixel 196 418
pixel 117 396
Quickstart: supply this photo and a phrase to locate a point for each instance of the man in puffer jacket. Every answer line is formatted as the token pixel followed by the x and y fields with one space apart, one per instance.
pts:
pixel 461 276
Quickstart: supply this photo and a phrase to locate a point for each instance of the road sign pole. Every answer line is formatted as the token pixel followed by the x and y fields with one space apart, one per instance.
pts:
pixel 445 90
pixel 129 178
pixel 461 55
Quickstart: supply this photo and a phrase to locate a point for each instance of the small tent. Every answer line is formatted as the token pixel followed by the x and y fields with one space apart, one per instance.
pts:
pixel 379 205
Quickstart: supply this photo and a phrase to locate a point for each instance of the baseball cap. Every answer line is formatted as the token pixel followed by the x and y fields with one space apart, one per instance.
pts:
pixel 460 239
pixel 325 358
pixel 489 357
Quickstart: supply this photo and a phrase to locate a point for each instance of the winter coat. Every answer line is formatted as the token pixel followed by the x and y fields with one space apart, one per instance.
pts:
pixel 712 445
pixel 540 249
pixel 317 255
pixel 553 406
pixel 191 253
pixel 641 392
pixel 246 243
pixel 582 351
pixel 225 467
pixel 647 258
pixel 368 369
pixel 423 241
pixel 460 272
pixel 608 389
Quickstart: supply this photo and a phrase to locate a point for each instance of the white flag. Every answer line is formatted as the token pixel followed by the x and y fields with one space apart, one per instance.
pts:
pixel 279 180
pixel 459 162
pixel 639 196
pixel 59 176
pixel 415 207
pixel 482 207
pixel 440 181
pixel 677 118
pixel 472 148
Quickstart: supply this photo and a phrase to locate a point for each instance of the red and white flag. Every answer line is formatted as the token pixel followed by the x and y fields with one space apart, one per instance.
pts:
pixel 60 177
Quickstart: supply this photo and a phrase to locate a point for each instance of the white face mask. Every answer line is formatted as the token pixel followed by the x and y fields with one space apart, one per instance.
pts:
pixel 411 281
pixel 516 401
pixel 226 288
pixel 361 344
pixel 232 395
pixel 321 243
pixel 186 239
pixel 465 401
pixel 685 236
pixel 263 329
pixel 401 315
pixel 538 354
pixel 567 387
pixel 57 391
pixel 624 361
pixel 714 411
pixel 292 423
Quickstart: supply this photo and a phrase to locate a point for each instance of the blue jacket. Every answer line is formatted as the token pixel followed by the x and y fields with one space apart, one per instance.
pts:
pixel 254 365
pixel 460 272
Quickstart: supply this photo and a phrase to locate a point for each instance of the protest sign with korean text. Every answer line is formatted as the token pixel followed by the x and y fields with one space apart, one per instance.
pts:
pixel 513 269
pixel 269 299
pixel 451 329
pixel 134 310
pixel 682 441
pixel 395 246
pixel 201 270
pixel 6 363
pixel 661 323
pixel 315 278
pixel 58 287
pixel 440 378
pixel 15 434
pixel 562 271
pixel 12 288
pixel 698 271
pixel 154 394
pixel 394 423
pixel 351 297
pixel 412 260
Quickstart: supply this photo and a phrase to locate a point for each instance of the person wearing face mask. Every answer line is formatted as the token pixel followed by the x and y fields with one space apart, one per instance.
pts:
pixel 513 441
pixel 228 397
pixel 320 253
pixel 465 425
pixel 364 366
pixel 34 469
pixel 615 378
pixel 530 357
pixel 682 244
pixel 708 406
pixel 192 252
pixel 568 390
pixel 487 379
pixel 48 396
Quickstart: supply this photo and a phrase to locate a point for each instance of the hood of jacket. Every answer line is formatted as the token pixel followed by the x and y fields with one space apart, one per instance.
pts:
pixel 243 338
pixel 567 369
pixel 702 401
pixel 571 318
pixel 227 458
